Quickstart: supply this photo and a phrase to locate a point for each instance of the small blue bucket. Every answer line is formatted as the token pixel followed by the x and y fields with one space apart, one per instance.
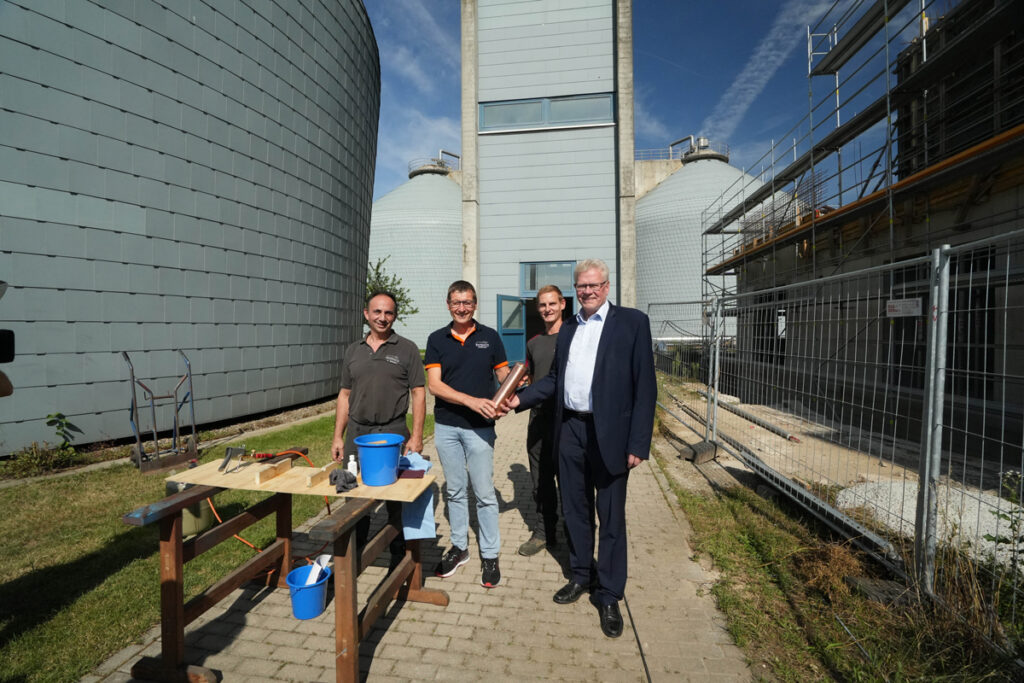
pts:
pixel 308 602
pixel 378 458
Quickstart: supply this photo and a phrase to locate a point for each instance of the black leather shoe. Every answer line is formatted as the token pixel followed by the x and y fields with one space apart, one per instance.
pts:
pixel 611 620
pixel 570 592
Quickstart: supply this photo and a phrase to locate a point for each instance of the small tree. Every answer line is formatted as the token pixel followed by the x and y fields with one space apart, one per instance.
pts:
pixel 379 279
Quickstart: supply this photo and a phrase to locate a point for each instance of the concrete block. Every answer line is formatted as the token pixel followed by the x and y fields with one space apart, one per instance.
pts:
pixel 239 286
pixel 182 200
pixel 171 282
pixel 93 52
pixel 216 386
pixel 232 357
pixel 183 335
pixel 206 336
pixel 126 336
pixel 197 283
pixel 109 276
pixel 200 310
pixel 157 337
pixel 159 223
pixel 113 154
pixel 37 304
pixel 222 311
pixel 190 256
pixel 93 212
pixel 106 120
pixel 218 284
pixel 154 194
pixel 85 179
pixel 175 171
pixel 92 336
pixel 82 306
pixel 134 248
pixel 227 335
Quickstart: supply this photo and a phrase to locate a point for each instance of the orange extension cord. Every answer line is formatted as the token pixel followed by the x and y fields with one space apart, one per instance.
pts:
pixel 327 504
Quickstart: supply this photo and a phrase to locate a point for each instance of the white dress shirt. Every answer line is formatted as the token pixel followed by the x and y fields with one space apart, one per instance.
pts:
pixel 579 370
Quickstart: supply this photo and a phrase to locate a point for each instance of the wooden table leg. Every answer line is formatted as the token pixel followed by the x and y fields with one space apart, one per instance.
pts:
pixel 284 533
pixel 171 665
pixel 172 593
pixel 346 617
pixel 414 590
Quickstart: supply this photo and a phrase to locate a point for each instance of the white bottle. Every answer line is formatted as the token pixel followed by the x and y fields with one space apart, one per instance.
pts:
pixel 352 466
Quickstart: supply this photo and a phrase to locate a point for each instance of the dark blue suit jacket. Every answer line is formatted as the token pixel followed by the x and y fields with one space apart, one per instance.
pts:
pixel 624 389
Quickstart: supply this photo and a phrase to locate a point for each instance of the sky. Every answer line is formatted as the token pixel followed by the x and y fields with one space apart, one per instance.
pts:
pixel 734 71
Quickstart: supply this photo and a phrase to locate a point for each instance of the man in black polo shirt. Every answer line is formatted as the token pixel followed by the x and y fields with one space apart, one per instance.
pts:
pixel 462 361
pixel 378 375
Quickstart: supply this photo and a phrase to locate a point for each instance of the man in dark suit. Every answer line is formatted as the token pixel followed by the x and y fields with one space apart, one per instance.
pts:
pixel 603 382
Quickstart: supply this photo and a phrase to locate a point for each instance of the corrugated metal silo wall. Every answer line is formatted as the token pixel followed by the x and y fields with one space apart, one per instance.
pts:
pixel 190 176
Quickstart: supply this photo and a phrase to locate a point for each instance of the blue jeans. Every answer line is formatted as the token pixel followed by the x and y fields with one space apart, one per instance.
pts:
pixel 465 450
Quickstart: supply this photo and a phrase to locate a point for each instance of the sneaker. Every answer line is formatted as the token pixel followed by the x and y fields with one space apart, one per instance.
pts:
pixel 490 575
pixel 532 546
pixel 450 561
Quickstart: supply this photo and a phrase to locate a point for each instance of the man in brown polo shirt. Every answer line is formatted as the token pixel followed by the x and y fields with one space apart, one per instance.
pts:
pixel 378 375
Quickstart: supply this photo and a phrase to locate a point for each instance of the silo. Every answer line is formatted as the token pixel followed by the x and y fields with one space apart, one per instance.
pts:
pixel 418 227
pixel 668 229
pixel 193 176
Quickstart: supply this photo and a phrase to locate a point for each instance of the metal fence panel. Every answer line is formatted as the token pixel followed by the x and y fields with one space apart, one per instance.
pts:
pixel 829 389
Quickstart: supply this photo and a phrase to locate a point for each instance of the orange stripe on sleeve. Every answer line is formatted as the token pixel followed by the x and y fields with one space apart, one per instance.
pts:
pixel 501 365
pixel 432 365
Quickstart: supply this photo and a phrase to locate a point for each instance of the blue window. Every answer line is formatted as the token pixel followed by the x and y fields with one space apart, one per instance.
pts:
pixel 533 276
pixel 547 112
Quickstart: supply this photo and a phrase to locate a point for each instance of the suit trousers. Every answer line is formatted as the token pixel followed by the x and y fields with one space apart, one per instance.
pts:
pixel 582 473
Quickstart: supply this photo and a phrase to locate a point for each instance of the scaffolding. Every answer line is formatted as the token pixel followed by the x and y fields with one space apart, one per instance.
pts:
pixel 871 277
pixel 921 121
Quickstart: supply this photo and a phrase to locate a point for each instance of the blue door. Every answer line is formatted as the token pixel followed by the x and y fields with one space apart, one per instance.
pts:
pixel 512 327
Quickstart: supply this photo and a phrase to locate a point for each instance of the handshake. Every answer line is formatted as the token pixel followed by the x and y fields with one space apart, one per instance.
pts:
pixel 505 400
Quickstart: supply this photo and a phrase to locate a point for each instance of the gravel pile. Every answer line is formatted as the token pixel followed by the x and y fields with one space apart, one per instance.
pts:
pixel 965 516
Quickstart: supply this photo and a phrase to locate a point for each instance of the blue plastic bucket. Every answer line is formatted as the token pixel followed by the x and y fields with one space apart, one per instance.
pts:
pixel 308 602
pixel 378 458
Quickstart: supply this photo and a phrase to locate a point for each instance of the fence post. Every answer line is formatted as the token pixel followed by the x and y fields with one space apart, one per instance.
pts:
pixel 716 352
pixel 926 523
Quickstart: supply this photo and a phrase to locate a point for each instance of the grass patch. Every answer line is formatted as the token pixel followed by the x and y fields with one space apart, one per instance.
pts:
pixel 77 584
pixel 783 591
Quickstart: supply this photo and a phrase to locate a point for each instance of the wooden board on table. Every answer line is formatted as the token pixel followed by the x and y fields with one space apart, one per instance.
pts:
pixel 294 480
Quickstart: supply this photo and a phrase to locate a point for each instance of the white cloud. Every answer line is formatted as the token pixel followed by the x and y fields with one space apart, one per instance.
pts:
pixel 650 129
pixel 420 111
pixel 787 32
pixel 408 66
pixel 407 135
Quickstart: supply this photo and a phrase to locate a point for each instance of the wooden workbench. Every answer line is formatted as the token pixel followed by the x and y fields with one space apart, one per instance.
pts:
pixel 404 581
pixel 295 478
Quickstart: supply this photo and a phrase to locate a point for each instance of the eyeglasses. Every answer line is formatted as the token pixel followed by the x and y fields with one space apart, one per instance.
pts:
pixel 461 304
pixel 589 286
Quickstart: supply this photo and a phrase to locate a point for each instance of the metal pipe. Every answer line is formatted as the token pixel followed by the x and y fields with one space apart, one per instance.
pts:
pixel 750 417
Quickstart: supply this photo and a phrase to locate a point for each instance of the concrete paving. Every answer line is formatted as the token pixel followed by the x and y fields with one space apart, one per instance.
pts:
pixel 673 631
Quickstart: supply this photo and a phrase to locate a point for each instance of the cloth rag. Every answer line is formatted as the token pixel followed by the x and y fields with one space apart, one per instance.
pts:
pixel 343 480
pixel 418 515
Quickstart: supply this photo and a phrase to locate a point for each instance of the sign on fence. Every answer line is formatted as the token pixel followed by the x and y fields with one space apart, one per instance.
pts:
pixel 902 308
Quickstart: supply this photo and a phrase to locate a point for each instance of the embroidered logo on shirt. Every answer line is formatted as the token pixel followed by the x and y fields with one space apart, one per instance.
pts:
pixel 483 345
pixel 393 359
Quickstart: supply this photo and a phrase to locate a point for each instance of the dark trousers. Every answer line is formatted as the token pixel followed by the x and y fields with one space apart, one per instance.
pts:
pixel 582 474
pixel 352 430
pixel 539 448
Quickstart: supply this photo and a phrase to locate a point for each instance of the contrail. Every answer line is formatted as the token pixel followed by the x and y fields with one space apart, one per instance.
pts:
pixel 787 32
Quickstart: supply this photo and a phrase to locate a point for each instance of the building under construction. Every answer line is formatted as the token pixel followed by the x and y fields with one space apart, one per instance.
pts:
pixel 862 295
pixel 922 145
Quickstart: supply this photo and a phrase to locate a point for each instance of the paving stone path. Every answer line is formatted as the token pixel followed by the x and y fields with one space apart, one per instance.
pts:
pixel 510 633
